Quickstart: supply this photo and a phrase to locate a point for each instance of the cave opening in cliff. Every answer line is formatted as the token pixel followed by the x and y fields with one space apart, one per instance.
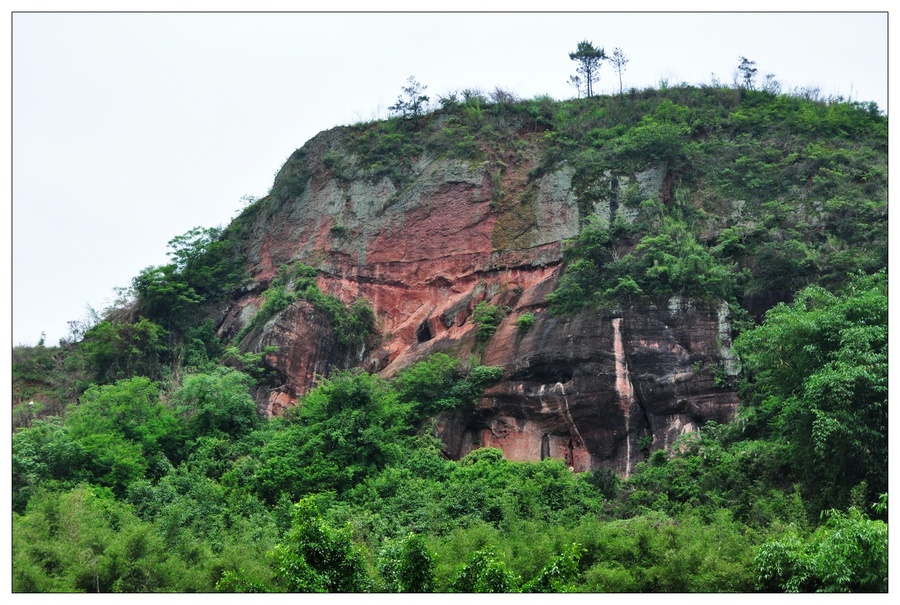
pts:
pixel 423 333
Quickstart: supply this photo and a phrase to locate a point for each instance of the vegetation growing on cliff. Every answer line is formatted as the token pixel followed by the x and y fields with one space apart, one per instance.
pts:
pixel 352 325
pixel 767 192
pixel 487 318
pixel 761 194
pixel 148 468
pixel 750 210
pixel 131 493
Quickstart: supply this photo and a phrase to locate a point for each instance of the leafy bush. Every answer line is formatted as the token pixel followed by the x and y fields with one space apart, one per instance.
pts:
pixel 816 377
pixel 113 351
pixel 654 141
pixel 205 267
pixel 485 572
pixel 349 427
pixel 315 557
pixel 407 565
pixel 525 321
pixel 559 574
pixel 216 403
pixel 847 554
pixel 124 432
pixel 439 383
pixel 487 318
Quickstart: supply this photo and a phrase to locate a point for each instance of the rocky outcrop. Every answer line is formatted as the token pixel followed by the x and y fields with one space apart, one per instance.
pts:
pixel 602 389
pixel 595 389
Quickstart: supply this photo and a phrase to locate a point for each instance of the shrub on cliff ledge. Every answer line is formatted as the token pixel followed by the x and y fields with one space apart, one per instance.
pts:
pixel 352 325
pixel 487 318
pixel 667 262
pixel 438 383
pixel 525 321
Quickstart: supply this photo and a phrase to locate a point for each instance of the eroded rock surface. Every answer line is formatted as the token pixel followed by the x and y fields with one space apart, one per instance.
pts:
pixel 595 389
pixel 601 390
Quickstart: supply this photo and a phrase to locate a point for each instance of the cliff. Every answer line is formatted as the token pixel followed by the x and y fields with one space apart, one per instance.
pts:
pixel 606 234
pixel 596 388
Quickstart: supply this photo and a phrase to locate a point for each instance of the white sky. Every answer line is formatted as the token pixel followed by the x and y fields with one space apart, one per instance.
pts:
pixel 130 129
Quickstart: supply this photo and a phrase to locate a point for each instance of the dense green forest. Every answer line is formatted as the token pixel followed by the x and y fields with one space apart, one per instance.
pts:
pixel 139 462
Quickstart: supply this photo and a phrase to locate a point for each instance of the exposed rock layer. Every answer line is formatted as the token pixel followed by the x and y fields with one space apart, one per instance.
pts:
pixel 595 389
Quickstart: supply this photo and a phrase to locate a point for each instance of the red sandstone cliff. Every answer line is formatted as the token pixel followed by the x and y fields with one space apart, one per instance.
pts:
pixel 597 389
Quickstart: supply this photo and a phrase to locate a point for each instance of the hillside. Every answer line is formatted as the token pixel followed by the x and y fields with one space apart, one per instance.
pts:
pixel 568 323
pixel 694 207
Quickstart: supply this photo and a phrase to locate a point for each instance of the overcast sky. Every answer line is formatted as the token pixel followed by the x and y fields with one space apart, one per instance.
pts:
pixel 130 129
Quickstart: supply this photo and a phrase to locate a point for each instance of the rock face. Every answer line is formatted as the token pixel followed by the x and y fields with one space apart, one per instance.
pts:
pixel 595 389
pixel 601 390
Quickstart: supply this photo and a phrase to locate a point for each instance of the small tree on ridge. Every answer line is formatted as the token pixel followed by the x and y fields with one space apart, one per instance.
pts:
pixel 412 103
pixel 589 60
pixel 748 72
pixel 619 61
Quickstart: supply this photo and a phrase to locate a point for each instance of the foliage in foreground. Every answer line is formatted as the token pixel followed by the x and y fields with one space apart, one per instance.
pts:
pixel 128 493
pixel 817 379
pixel 846 554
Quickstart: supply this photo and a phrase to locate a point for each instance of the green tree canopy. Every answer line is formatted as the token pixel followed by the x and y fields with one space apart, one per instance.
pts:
pixel 816 376
pixel 349 427
pixel 114 350
pixel 589 60
pixel 317 557
pixel 406 565
pixel 123 428
pixel 847 554
pixel 217 403
pixel 205 267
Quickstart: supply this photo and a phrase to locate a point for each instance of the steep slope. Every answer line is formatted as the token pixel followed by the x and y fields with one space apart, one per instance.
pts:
pixel 424 257
pixel 424 233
